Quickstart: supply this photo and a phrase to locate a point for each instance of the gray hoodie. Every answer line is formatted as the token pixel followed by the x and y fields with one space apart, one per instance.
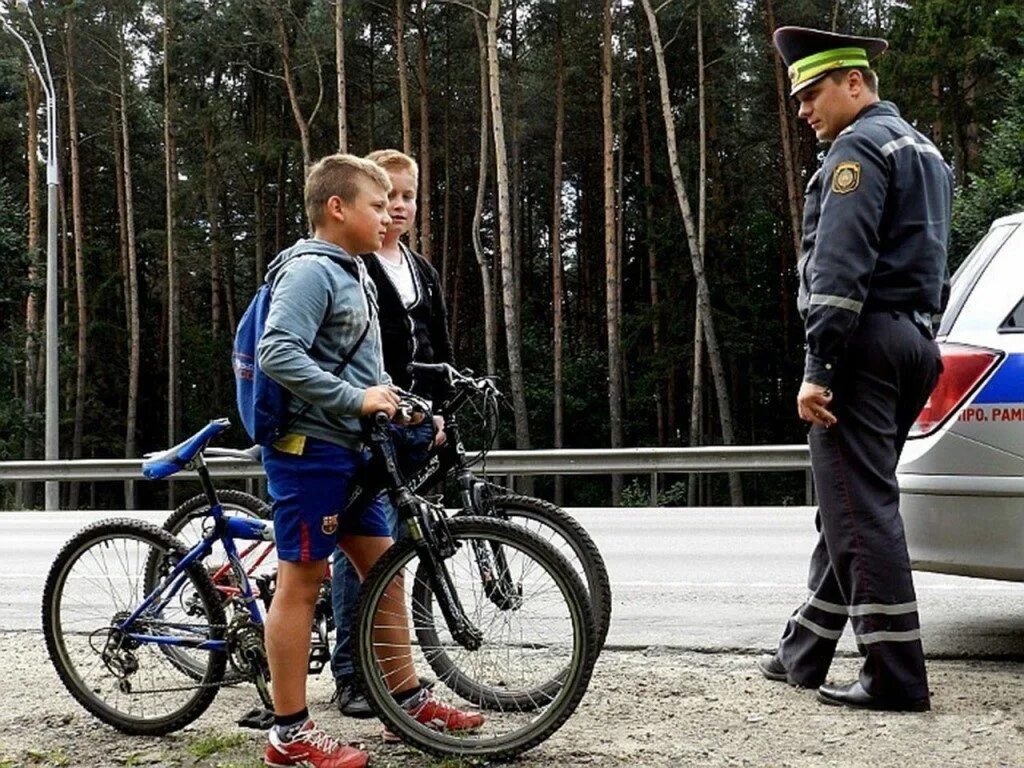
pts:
pixel 320 303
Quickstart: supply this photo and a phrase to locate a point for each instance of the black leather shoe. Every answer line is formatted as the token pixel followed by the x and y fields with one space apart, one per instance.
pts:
pixel 770 666
pixel 350 699
pixel 854 695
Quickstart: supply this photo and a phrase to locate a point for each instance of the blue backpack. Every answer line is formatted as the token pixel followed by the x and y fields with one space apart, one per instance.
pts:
pixel 262 402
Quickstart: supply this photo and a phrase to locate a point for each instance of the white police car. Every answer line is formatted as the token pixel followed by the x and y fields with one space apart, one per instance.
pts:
pixel 962 471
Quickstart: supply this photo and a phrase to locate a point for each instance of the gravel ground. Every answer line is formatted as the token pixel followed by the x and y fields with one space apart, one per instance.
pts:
pixel 656 707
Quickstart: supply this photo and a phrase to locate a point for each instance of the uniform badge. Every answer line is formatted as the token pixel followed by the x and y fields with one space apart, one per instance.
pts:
pixel 329 525
pixel 846 178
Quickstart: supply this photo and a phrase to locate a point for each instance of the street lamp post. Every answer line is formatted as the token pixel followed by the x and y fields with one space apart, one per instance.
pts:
pixel 52 435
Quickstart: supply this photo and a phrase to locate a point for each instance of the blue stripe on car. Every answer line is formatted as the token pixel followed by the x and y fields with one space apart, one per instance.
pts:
pixel 1006 385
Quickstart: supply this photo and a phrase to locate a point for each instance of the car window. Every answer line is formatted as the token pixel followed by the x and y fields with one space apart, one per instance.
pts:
pixel 1014 322
pixel 966 278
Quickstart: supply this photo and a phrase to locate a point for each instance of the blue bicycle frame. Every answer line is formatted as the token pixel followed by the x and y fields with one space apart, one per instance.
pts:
pixel 225 530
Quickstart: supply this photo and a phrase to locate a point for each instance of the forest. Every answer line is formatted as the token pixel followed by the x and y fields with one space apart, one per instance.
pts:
pixel 611 191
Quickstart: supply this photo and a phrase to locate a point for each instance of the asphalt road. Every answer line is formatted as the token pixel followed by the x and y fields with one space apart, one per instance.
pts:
pixel 709 579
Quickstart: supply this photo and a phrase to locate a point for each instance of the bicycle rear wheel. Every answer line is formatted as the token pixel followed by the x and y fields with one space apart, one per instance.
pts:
pixel 96 582
pixel 541 638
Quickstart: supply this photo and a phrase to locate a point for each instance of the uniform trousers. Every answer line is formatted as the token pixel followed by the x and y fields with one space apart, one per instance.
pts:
pixel 860 569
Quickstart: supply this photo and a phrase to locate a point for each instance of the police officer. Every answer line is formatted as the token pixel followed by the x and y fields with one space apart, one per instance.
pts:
pixel 873 273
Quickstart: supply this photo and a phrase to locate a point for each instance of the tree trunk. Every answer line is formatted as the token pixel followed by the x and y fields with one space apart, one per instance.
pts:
pixel 210 196
pixel 446 268
pixel 794 200
pixel 426 246
pixel 339 64
pixel 652 251
pixel 516 160
pixel 293 95
pixel 403 95
pixel 81 355
pixel 557 290
pixel 133 286
pixel 696 257
pixel 611 258
pixel 937 125
pixel 486 279
pixel 173 291
pixel 696 407
pixel 25 491
pixel 259 214
pixel 280 222
pixel 511 311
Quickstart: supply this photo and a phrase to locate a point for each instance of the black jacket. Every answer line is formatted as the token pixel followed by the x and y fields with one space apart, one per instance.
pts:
pixel 417 334
pixel 876 226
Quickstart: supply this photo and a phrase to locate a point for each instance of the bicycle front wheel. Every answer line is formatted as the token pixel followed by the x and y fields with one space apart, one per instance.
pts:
pixel 562 531
pixel 536 646
pixel 95 584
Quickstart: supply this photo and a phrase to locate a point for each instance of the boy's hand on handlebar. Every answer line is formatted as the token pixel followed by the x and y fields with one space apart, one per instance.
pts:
pixel 440 438
pixel 380 398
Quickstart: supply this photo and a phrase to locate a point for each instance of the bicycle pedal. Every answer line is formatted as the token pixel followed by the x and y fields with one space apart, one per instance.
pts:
pixel 257 718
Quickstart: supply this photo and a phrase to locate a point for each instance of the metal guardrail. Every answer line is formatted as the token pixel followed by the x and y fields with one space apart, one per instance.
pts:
pixel 574 461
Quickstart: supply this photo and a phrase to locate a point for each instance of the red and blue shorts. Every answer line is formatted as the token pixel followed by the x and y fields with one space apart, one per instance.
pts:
pixel 310 492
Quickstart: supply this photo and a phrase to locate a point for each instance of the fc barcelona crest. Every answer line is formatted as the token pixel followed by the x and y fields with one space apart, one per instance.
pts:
pixel 329 525
pixel 846 178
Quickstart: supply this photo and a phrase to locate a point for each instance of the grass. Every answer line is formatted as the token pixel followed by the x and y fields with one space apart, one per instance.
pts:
pixel 55 757
pixel 211 745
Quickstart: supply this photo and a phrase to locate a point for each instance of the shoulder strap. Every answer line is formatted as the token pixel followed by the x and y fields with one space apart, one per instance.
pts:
pixel 370 307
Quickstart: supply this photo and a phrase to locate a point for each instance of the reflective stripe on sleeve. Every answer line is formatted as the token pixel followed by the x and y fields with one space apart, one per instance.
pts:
pixel 909 141
pixel 837 301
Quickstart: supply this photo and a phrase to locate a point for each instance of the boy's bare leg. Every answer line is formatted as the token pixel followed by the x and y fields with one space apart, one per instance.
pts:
pixel 289 625
pixel 391 636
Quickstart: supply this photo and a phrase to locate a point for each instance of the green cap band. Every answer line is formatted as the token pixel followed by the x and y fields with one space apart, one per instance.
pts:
pixel 811 67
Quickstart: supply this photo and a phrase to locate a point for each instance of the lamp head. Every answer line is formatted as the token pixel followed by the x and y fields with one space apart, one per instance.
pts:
pixel 23 4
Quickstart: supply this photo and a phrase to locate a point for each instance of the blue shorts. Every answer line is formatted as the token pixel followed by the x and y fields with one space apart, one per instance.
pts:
pixel 310 493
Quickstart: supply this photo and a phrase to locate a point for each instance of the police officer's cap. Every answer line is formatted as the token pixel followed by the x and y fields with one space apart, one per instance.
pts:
pixel 811 54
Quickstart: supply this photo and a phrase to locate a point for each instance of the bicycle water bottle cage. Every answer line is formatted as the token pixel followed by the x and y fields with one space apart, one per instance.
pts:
pixel 166 463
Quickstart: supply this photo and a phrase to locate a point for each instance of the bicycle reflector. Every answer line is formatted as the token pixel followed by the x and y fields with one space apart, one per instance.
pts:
pixel 963 369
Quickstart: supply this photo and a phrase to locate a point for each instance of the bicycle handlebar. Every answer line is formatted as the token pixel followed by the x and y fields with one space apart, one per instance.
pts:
pixel 455 378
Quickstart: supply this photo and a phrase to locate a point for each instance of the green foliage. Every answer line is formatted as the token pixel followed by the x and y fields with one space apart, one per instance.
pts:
pixel 13 291
pixel 998 189
pixel 953 69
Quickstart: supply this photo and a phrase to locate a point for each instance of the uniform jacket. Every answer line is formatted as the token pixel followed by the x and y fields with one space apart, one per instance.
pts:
pixel 417 334
pixel 875 231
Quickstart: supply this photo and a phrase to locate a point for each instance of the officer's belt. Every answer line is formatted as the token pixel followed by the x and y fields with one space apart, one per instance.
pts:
pixel 923 320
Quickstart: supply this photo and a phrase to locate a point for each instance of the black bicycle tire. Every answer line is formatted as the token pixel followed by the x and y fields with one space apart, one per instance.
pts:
pixel 158 537
pixel 438 744
pixel 598 583
pixel 598 590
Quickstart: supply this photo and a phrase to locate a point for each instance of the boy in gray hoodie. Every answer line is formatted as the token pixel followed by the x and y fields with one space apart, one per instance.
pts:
pixel 322 307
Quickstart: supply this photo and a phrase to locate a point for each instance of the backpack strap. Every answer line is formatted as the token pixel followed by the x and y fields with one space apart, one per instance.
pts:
pixel 371 307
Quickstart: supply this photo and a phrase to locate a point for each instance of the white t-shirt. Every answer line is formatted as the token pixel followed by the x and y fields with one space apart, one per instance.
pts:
pixel 401 277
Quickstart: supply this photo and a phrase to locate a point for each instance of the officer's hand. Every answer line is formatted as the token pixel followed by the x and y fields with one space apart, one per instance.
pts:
pixel 440 438
pixel 380 398
pixel 812 404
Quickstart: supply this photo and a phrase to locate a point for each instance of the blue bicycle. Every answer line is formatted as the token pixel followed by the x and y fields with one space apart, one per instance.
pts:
pixel 143 638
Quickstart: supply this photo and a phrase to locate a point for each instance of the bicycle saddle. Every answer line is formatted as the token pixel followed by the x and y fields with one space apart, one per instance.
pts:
pixel 164 464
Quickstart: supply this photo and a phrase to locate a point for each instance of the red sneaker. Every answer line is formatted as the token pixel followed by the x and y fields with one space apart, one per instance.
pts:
pixel 312 748
pixel 435 714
